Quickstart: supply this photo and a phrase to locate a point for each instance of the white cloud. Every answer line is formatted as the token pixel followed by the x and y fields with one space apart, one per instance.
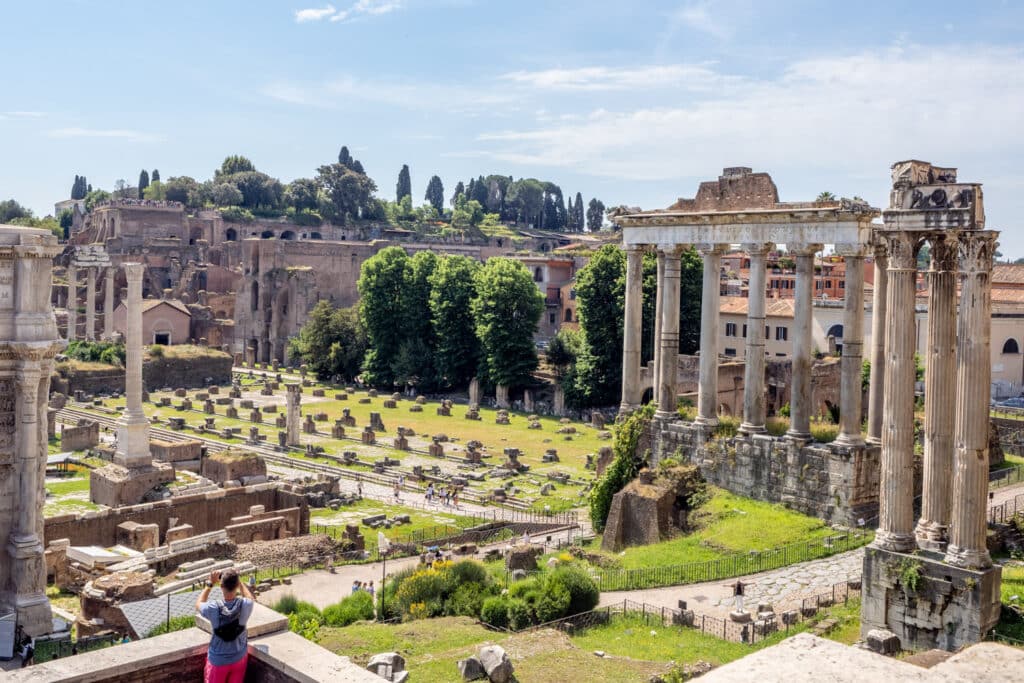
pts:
pixel 854 114
pixel 314 14
pixel 117 133
pixel 360 8
pixel 598 78
pixel 701 16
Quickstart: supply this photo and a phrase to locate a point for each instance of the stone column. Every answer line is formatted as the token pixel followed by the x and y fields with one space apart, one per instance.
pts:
pixel 133 426
pixel 72 304
pixel 656 380
pixel 293 399
pixel 90 304
pixel 668 291
pixel 896 495
pixel 876 386
pixel 707 397
pixel 967 527
pixel 753 371
pixel 851 392
pixel 800 395
pixel 632 331
pixel 940 390
pixel 108 304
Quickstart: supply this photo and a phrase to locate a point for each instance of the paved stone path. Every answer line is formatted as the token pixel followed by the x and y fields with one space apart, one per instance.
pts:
pixel 778 586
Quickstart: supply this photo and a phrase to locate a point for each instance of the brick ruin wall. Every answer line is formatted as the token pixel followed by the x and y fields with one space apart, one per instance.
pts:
pixel 204 511
pixel 836 484
pixel 157 373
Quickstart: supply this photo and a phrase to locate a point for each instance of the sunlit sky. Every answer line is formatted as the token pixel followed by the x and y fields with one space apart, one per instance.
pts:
pixel 633 102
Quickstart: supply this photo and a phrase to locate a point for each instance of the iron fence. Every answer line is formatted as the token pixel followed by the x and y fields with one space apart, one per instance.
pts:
pixel 730 566
pixel 1006 511
pixel 55 648
pixel 1005 476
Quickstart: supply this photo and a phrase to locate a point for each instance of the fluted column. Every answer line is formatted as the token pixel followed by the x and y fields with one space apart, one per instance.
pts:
pixel 939 393
pixel 656 380
pixel 90 303
pixel 753 371
pixel 973 385
pixel 800 396
pixel 851 391
pixel 896 495
pixel 72 303
pixel 668 290
pixel 28 452
pixel 108 304
pixel 707 397
pixel 632 330
pixel 876 381
pixel 133 426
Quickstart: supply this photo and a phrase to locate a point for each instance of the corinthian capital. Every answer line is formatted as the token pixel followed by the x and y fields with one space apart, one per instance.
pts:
pixel 944 252
pixel 977 250
pixel 901 248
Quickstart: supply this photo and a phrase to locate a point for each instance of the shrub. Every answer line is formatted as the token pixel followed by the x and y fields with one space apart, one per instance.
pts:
pixel 156 351
pixel 777 426
pixel 494 611
pixel 824 433
pixel 425 586
pixel 96 352
pixel 236 214
pixel 727 427
pixel 583 592
pixel 466 601
pixel 288 604
pixel 553 603
pixel 519 614
pixel 623 468
pixel 356 607
pixel 468 571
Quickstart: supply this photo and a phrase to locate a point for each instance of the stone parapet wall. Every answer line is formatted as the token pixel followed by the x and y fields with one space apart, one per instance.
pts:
pixel 204 511
pixel 836 484
pixel 85 435
pixel 196 372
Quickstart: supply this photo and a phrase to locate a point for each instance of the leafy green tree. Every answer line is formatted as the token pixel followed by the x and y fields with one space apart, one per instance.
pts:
pixel 435 193
pixel 187 191
pixel 234 164
pixel 301 194
pixel 332 342
pixel 94 197
pixel 451 295
pixel 404 186
pixel 595 215
pixel 525 201
pixel 227 194
pixel 507 308
pixel 415 364
pixel 143 182
pixel 562 352
pixel 155 176
pixel 467 213
pixel 691 277
pixel 382 288
pixel 155 191
pixel 11 210
pixel 348 192
pixel 825 196
pixel 65 219
pixel 600 291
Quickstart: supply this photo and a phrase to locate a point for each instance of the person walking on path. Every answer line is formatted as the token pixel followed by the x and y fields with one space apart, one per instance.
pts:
pixel 227 656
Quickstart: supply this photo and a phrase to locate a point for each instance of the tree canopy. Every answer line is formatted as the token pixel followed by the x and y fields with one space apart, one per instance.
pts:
pixel 507 308
pixel 435 194
pixel 332 342
pixel 404 186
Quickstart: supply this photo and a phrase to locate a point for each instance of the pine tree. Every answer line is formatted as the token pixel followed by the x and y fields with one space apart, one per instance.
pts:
pixel 143 182
pixel 404 186
pixel 435 193
pixel 155 176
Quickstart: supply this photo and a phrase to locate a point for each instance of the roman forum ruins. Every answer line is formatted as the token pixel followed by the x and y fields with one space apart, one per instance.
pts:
pixel 28 344
pixel 956 600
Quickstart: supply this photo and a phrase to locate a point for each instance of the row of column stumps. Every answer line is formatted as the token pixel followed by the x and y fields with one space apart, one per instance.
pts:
pixel 666 332
pixel 90 302
pixel 955 481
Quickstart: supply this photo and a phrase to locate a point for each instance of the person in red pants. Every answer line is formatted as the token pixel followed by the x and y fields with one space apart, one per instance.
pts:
pixel 227 656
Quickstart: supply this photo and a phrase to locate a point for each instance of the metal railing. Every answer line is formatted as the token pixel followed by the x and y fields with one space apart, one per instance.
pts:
pixel 1006 476
pixel 1006 511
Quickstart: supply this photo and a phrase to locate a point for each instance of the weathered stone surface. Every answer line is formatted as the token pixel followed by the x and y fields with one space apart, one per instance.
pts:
pixel 642 513
pixel 882 641
pixel 496 664
pixel 471 669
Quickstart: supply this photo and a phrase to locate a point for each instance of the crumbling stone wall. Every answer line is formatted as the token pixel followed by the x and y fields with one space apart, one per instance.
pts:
pixel 648 509
pixel 85 435
pixel 233 465
pixel 193 372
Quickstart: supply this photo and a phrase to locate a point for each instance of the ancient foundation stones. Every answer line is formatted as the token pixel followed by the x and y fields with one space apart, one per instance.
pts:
pixel 376 424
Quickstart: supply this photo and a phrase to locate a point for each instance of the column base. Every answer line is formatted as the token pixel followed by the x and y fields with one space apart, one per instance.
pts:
pixel 874 441
pixel 751 429
pixel 849 441
pixel 968 558
pixel 626 409
pixel 706 421
pixel 896 542
pixel 665 415
pixel 794 435
pixel 27 568
pixel 931 535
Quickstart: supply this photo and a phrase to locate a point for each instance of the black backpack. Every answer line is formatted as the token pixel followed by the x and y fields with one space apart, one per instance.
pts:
pixel 229 630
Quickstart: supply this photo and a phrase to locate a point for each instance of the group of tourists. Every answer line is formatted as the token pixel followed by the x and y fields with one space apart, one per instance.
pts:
pixel 363 586
pixel 449 496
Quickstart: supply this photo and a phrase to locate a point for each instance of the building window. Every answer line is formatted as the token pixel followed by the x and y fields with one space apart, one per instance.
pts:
pixel 568 315
pixel 730 329
pixel 781 333
pixel 1011 346
pixel 766 333
pixel 162 338
pixel 842 284
pixel 551 318
pixel 744 330
pixel 730 352
pixel 538 274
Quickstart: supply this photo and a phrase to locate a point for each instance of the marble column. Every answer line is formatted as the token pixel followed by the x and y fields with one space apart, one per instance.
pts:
pixel 72 304
pixel 133 426
pixel 967 529
pixel 876 381
pixel 896 495
pixel 656 379
pixel 108 304
pixel 293 399
pixel 851 391
pixel 632 332
pixel 707 396
pixel 90 303
pixel 753 371
pixel 668 290
pixel 939 391
pixel 800 396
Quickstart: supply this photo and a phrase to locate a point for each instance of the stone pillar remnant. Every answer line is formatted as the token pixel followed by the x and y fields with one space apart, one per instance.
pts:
pixel 108 304
pixel 800 396
pixel 656 379
pixel 72 303
pixel 876 388
pixel 90 304
pixel 293 399
pixel 707 398
pixel 632 330
pixel 851 391
pixel 668 290
pixel 133 426
pixel 753 372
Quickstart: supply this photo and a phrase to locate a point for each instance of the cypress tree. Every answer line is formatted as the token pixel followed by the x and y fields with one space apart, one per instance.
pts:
pixel 435 193
pixel 404 186
pixel 143 182
pixel 155 176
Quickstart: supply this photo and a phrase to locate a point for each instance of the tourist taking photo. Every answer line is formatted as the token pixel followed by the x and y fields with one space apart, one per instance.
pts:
pixel 227 655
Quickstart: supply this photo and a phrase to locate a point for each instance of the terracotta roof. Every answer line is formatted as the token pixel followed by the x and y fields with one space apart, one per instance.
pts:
pixel 774 308
pixel 1008 273
pixel 149 304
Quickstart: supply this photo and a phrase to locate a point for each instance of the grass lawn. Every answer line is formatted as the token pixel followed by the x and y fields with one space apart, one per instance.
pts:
pixel 67 495
pixel 728 524
pixel 421 520
pixel 1012 592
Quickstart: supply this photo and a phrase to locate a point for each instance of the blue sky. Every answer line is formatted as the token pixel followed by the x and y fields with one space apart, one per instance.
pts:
pixel 634 102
